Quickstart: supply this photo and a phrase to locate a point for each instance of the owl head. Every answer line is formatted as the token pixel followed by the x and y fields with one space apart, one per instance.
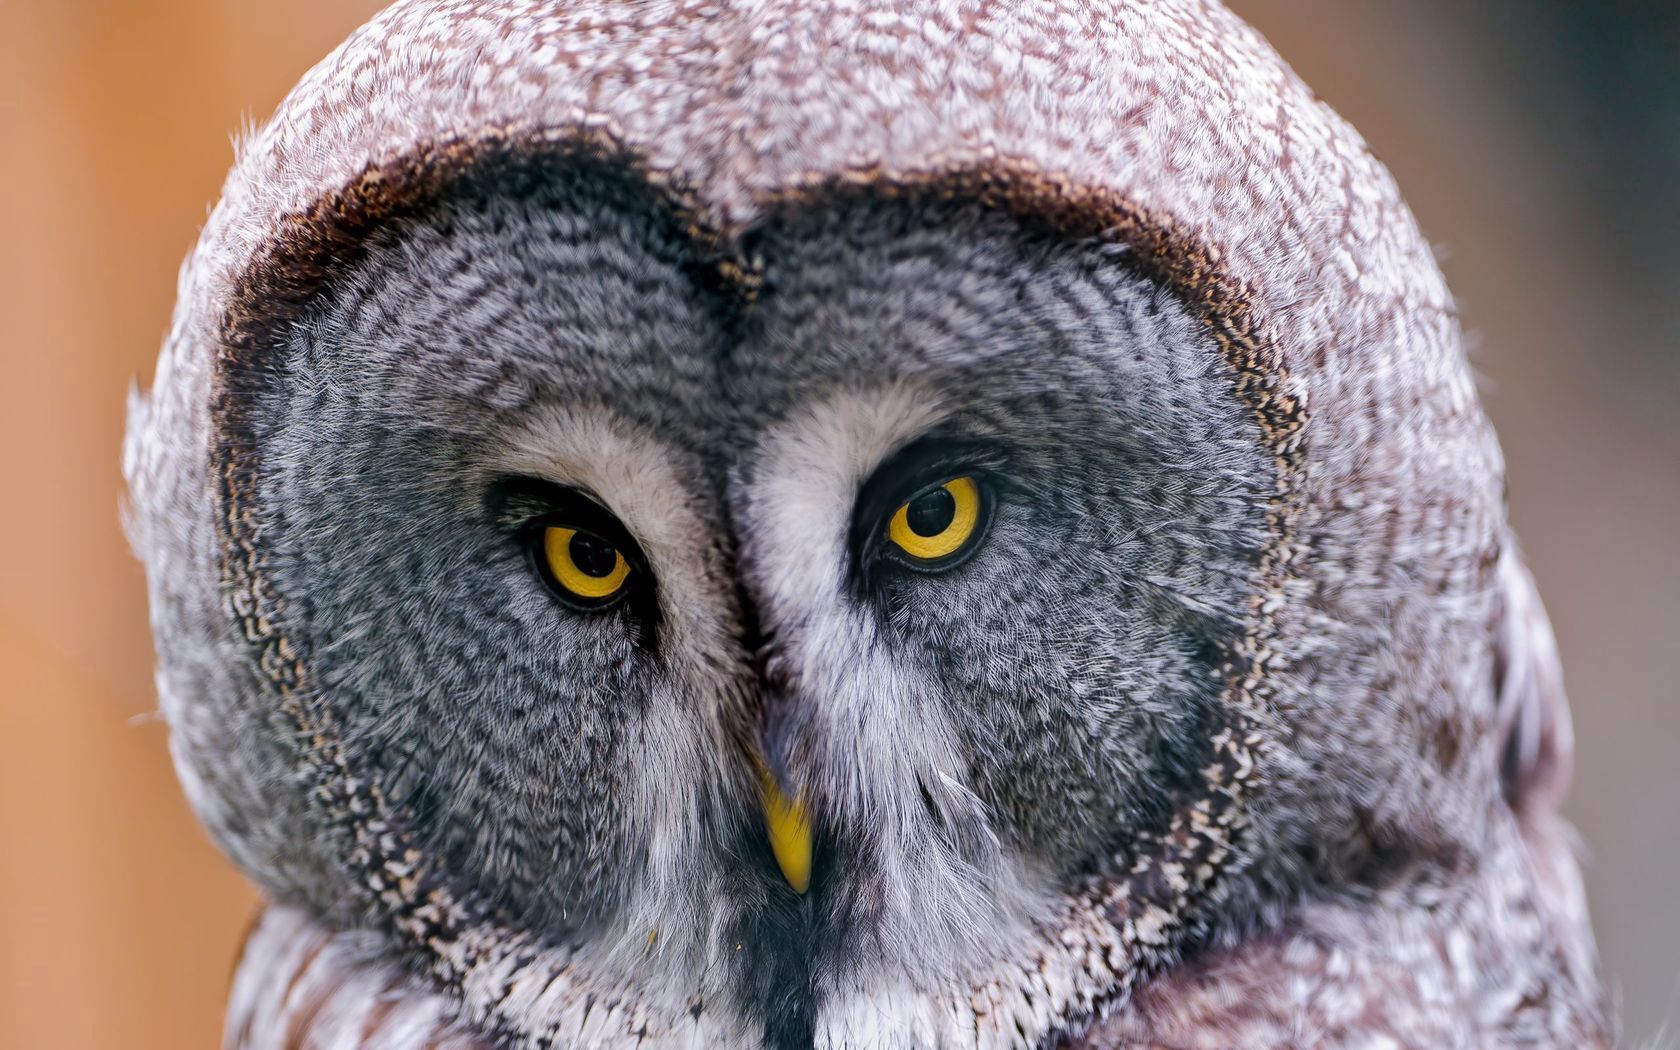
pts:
pixel 788 526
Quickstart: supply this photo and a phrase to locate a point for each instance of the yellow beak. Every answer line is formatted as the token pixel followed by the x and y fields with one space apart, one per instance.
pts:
pixel 790 833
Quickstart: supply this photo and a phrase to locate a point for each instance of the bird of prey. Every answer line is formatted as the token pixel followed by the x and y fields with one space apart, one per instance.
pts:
pixel 847 524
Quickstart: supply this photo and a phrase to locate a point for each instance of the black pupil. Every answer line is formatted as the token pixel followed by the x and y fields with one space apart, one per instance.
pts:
pixel 592 555
pixel 930 513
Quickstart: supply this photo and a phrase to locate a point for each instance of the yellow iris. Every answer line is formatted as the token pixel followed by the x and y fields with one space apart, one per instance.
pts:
pixel 937 523
pixel 585 565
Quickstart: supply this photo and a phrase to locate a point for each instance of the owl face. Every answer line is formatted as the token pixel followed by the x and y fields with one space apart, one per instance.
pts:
pixel 938 535
pixel 847 525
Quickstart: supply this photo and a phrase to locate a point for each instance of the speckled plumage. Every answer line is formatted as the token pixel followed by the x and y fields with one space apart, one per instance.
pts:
pixel 846 217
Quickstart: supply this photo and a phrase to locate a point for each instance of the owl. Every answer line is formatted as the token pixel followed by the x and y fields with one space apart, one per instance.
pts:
pixel 850 524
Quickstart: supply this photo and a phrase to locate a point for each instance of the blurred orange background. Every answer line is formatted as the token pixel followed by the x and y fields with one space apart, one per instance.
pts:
pixel 1538 147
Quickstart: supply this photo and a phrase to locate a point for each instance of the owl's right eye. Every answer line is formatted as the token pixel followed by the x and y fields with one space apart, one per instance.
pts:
pixel 584 569
pixel 585 555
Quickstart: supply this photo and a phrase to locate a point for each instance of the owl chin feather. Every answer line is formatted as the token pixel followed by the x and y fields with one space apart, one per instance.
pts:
pixel 1348 967
pixel 847 526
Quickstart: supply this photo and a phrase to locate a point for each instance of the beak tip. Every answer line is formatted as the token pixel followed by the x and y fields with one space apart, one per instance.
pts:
pixel 789 828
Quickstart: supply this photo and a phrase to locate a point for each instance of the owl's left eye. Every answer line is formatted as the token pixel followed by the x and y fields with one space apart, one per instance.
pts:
pixel 938 526
pixel 585 569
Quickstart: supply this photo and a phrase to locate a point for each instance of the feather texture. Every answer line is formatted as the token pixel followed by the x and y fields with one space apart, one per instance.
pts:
pixel 1243 727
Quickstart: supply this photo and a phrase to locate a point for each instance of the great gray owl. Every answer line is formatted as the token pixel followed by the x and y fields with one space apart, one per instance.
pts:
pixel 847 524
